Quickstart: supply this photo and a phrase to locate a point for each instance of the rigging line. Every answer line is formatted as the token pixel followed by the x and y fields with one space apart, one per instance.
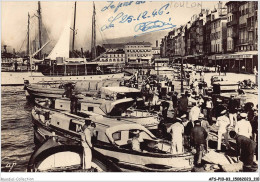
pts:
pixel 103 38
pixel 22 44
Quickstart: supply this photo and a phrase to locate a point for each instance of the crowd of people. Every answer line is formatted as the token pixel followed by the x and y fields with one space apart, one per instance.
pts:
pixel 190 118
pixel 194 114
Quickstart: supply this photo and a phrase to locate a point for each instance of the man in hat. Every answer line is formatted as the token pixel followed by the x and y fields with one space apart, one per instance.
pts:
pixel 198 140
pixel 245 149
pixel 243 127
pixel 223 123
pixel 232 109
pixel 183 104
pixel 177 130
pixel 86 135
pixel 209 107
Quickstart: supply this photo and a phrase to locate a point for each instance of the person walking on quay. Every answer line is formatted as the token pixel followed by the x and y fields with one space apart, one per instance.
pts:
pixel 223 123
pixel 86 143
pixel 198 141
pixel 183 105
pixel 225 70
pixel 177 131
pixel 188 79
pixel 243 126
pixel 209 108
pixel 219 70
pixel 232 108
pixel 246 150
pixel 175 104
pixel 202 76
pixel 194 112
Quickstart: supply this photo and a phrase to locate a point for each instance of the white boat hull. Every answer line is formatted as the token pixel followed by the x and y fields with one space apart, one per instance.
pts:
pixel 36 78
pixel 16 78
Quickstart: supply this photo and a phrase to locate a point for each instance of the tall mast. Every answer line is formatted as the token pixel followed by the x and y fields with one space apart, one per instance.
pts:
pixel 28 35
pixel 93 41
pixel 74 31
pixel 40 27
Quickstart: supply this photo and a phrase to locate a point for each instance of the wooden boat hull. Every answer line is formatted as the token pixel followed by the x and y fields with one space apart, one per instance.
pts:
pixel 125 158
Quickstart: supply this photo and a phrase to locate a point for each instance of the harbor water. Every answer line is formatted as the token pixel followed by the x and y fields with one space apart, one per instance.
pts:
pixel 16 129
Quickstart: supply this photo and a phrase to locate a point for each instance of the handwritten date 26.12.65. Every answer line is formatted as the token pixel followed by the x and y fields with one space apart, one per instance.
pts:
pixel 125 18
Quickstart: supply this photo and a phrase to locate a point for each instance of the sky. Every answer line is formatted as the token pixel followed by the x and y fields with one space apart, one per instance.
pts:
pixel 14 17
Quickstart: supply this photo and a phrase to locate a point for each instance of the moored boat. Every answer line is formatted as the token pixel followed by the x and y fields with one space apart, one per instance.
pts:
pixel 49 157
pixel 108 109
pixel 113 140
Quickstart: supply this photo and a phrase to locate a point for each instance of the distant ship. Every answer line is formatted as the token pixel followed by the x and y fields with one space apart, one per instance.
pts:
pixel 59 67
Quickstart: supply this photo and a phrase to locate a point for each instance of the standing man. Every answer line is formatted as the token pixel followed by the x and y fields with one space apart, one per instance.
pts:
pixel 183 105
pixel 175 104
pixel 232 108
pixel 177 131
pixel 198 140
pixel 243 126
pixel 209 108
pixel 86 135
pixel 223 123
pixel 245 149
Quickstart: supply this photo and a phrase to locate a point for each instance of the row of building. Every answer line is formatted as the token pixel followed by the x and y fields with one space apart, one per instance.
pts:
pixel 134 54
pixel 225 36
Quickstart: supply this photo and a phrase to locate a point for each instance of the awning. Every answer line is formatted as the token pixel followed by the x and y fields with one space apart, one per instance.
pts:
pixel 237 55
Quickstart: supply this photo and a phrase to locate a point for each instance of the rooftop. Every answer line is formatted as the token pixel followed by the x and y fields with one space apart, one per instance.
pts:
pixel 138 43
pixel 113 46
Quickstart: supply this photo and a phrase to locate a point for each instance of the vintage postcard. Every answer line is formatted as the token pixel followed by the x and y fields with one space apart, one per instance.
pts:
pixel 129 86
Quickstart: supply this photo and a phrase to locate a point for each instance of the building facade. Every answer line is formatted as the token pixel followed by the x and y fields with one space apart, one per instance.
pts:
pixel 113 57
pixel 225 36
pixel 138 53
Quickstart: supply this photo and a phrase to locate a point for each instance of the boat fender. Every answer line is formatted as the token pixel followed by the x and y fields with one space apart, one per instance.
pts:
pixel 98 68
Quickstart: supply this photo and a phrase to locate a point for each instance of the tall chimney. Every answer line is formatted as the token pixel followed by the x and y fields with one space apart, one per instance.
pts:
pixel 156 43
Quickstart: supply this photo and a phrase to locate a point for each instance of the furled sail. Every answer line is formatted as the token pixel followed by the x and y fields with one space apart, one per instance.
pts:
pixel 62 47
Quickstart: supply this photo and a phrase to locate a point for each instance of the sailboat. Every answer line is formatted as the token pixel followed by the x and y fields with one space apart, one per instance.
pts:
pixel 58 66
pixel 16 70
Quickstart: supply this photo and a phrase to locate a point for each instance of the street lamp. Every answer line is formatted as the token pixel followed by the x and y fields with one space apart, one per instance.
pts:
pixel 182 90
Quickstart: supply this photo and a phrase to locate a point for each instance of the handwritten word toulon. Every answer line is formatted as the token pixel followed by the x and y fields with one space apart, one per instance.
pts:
pixel 112 5
pixel 125 18
pixel 153 26
pixel 186 4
